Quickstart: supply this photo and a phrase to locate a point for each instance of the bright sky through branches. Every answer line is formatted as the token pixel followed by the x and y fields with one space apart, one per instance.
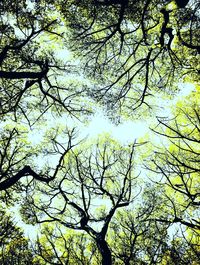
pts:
pixel 125 132
pixel 100 127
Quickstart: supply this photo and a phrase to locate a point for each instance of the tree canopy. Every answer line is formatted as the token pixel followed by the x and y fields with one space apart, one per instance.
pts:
pixel 97 200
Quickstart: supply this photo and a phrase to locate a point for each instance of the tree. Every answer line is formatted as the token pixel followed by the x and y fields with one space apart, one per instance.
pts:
pixel 90 187
pixel 57 247
pixel 14 247
pixel 134 237
pixel 138 240
pixel 178 163
pixel 16 155
pixel 134 48
pixel 30 89
pixel 32 69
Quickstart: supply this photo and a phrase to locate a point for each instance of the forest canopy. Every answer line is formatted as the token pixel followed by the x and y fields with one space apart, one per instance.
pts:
pixel 98 200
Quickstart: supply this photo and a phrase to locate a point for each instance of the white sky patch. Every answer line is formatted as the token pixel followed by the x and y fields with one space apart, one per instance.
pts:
pixel 185 90
pixel 30 5
pixel 35 137
pixel 124 132
pixel 63 54
pixel 130 130
pixel 98 125
pixel 19 33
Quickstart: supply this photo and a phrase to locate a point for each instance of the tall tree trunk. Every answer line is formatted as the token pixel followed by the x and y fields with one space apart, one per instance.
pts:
pixel 104 250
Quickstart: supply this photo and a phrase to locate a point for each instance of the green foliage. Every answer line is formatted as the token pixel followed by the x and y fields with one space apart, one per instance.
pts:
pixel 14 247
pixel 120 43
pixel 61 61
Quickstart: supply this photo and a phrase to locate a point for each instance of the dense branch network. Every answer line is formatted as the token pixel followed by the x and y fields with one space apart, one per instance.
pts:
pixel 179 165
pixel 130 50
pixel 85 186
pixel 116 53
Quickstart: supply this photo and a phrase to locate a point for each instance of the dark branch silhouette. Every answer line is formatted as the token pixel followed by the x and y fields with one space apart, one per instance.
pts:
pixel 182 3
pixel 165 29
pixel 26 171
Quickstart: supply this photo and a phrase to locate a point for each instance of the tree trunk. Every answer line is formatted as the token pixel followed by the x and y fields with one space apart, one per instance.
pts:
pixel 104 250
